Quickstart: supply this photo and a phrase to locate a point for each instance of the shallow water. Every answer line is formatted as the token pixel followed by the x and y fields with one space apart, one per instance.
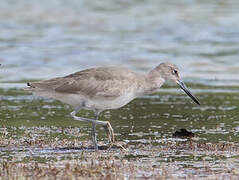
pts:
pixel 41 130
pixel 48 39
pixel 43 38
pixel 156 116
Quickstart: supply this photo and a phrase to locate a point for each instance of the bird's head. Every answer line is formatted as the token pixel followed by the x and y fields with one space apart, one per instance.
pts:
pixel 170 72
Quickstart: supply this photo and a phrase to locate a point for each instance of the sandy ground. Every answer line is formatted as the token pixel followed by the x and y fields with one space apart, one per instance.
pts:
pixel 34 156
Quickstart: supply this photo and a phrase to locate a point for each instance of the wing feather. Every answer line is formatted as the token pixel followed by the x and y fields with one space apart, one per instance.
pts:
pixel 100 82
pixel 95 82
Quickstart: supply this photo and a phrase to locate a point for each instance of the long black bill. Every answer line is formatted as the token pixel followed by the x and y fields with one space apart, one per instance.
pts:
pixel 186 90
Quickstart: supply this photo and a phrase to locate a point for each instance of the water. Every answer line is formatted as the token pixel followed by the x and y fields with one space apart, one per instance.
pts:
pixel 45 39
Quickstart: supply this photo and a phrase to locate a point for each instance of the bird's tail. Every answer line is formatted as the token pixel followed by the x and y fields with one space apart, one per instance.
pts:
pixel 30 87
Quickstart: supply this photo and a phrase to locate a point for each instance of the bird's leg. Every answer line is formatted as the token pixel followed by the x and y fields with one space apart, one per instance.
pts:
pixel 109 130
pixel 106 124
pixel 94 139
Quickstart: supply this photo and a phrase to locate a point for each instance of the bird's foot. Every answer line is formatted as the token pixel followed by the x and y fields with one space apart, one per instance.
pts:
pixel 117 146
pixel 110 132
pixel 95 146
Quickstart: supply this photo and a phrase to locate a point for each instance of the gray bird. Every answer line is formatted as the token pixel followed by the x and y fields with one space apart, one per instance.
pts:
pixel 104 88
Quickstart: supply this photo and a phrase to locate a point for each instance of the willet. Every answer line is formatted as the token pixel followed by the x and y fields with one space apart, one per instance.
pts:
pixel 104 88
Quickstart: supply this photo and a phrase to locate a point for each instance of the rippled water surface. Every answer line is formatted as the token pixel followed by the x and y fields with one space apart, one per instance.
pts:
pixel 45 39
pixel 42 39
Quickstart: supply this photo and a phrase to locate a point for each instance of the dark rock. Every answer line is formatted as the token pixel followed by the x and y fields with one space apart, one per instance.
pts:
pixel 183 133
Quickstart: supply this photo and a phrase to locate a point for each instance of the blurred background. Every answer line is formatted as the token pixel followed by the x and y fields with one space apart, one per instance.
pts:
pixel 45 39
pixel 42 39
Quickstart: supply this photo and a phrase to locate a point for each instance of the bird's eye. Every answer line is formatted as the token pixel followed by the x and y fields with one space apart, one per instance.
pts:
pixel 175 72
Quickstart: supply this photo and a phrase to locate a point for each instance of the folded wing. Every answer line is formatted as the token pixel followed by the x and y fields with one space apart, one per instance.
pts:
pixel 95 82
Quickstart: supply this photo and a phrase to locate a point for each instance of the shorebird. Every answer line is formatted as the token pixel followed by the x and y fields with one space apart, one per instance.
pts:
pixel 104 88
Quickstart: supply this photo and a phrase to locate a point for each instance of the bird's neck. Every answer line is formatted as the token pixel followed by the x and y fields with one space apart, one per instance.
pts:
pixel 151 82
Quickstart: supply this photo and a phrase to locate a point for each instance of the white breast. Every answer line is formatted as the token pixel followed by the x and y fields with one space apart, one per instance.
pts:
pixel 113 103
